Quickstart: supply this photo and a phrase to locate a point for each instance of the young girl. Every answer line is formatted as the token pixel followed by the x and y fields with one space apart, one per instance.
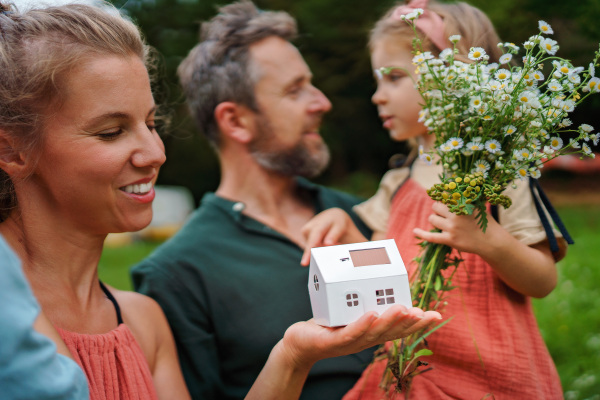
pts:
pixel 492 347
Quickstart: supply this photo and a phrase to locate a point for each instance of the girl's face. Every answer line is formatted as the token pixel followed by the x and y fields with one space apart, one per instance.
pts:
pixel 397 100
pixel 101 153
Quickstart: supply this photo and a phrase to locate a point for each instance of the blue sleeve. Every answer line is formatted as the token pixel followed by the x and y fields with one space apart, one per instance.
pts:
pixel 30 367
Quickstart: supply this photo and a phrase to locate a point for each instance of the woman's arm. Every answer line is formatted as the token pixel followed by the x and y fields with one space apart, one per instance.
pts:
pixel 305 343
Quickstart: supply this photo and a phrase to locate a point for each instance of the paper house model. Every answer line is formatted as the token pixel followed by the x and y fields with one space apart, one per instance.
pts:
pixel 346 281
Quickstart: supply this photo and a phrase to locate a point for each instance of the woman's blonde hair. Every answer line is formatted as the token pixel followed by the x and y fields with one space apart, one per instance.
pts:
pixel 37 50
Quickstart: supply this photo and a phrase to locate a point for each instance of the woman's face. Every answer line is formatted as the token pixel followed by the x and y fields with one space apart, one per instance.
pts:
pixel 397 100
pixel 101 153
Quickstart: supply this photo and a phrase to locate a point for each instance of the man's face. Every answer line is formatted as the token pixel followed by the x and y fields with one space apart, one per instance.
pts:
pixel 287 138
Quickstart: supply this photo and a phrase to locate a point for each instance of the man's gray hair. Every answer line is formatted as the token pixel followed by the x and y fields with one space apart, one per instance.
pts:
pixel 219 68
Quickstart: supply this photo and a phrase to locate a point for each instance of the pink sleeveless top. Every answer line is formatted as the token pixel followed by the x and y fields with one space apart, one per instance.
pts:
pixel 114 364
pixel 491 346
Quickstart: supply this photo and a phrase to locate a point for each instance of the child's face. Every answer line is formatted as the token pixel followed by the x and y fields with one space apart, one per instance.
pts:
pixel 397 100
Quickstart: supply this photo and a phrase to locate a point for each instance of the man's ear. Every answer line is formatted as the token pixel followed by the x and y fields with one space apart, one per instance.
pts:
pixel 12 161
pixel 235 121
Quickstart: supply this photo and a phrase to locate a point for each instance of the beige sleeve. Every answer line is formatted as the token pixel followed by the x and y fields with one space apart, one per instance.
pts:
pixel 522 221
pixel 375 211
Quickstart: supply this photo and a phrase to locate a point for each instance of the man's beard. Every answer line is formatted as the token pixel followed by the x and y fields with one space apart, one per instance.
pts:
pixel 299 160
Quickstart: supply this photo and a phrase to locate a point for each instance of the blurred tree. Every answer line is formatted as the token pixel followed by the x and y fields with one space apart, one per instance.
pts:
pixel 333 37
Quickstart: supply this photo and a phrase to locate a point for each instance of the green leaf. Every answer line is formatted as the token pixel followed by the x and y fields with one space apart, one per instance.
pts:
pixel 422 352
pixel 438 283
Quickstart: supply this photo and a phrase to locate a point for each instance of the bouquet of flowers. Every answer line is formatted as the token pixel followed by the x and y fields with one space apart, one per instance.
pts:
pixel 493 123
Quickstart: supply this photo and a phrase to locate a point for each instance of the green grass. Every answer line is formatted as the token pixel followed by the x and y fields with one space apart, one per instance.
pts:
pixel 569 317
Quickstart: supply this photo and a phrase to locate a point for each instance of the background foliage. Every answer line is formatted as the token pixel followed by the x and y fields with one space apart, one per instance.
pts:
pixel 333 41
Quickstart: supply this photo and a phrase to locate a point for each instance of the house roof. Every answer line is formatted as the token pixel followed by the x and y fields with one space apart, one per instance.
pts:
pixel 355 261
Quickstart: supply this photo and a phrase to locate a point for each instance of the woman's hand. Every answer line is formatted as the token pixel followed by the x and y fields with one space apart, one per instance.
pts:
pixel 305 343
pixel 330 227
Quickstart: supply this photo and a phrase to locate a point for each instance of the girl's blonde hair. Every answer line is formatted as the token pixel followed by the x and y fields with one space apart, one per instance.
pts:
pixel 474 27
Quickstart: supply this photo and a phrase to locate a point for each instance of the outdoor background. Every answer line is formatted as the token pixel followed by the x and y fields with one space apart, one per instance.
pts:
pixel 333 35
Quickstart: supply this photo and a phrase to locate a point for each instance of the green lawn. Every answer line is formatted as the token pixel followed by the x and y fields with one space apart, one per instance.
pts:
pixel 569 318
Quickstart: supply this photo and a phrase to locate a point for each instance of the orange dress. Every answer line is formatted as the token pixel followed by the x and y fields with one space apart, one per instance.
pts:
pixel 113 362
pixel 492 348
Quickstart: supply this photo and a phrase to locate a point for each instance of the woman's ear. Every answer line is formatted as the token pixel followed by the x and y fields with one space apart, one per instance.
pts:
pixel 235 121
pixel 12 161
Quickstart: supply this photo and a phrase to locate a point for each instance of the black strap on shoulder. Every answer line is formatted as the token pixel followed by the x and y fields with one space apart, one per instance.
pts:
pixel 114 301
pixel 539 198
pixel 401 161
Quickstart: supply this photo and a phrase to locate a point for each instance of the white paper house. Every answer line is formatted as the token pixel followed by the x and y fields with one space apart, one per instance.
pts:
pixel 346 281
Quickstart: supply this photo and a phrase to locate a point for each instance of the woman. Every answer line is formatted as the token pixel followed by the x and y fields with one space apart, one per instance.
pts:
pixel 79 155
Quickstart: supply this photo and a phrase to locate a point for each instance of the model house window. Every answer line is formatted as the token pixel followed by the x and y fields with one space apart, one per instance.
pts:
pixel 384 296
pixel 352 299
pixel 316 283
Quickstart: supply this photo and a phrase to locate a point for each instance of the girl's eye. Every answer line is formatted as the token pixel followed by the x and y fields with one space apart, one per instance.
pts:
pixel 151 126
pixel 112 135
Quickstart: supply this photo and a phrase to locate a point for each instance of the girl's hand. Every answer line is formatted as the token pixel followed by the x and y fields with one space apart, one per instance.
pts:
pixel 307 342
pixel 458 231
pixel 330 227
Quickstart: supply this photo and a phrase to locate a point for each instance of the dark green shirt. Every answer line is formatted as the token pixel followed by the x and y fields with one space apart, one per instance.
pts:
pixel 230 287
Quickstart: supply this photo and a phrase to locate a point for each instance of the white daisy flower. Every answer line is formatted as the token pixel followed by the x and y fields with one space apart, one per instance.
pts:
pixel 526 97
pixel 475 102
pixel 545 27
pixel 535 173
pixel 595 137
pixel 556 143
pixel 491 67
pixel 565 123
pixel 427 158
pixel 586 149
pixel 586 128
pixel 475 146
pixel 446 147
pixel 421 58
pixel 509 129
pixel 538 76
pixel 549 46
pixel 513 48
pixel 574 144
pixel 493 146
pixel 522 173
pixel 574 78
pixel 505 58
pixel 482 165
pixel 466 152
pixel 455 142
pixel 535 123
pixel 502 74
pixel 523 154
pixel 544 134
pixel 554 85
pixel 568 106
pixel 446 54
pixel 592 70
pixel 487 117
pixel 454 38
pixel 528 45
pixel 593 85
pixel 476 53
pixel 414 14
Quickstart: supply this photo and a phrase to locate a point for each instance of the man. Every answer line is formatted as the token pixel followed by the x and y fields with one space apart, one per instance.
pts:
pixel 230 282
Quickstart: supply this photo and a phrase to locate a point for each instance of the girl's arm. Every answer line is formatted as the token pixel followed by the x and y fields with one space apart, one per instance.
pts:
pixel 530 270
pixel 330 227
pixel 305 343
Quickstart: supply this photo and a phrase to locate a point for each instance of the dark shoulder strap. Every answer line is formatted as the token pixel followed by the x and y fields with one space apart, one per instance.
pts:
pixel 113 300
pixel 539 198
pixel 406 162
